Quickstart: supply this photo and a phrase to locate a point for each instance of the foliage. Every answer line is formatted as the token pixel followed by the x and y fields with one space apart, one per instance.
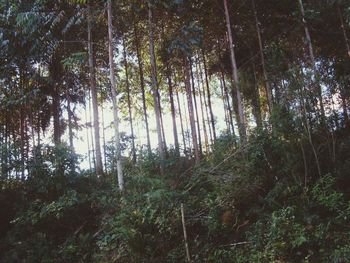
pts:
pixel 239 204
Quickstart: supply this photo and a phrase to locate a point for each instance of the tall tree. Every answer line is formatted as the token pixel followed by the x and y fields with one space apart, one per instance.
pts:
pixel 262 57
pixel 93 88
pixel 317 85
pixel 142 84
pixel 133 149
pixel 114 97
pixel 235 79
pixel 191 113
pixel 155 87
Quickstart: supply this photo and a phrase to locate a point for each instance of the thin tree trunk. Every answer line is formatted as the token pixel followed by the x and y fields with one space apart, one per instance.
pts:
pixel 91 132
pixel 196 109
pixel 263 65
pixel 142 83
pixel 242 124
pixel 256 100
pixel 188 255
pixel 313 61
pixel 93 88
pixel 205 103
pixel 114 97
pixel 230 114
pixel 187 131
pixel 70 126
pixel 212 119
pixel 346 39
pixel 22 120
pixel 172 109
pixel 306 124
pixel 104 139
pixel 88 139
pixel 155 87
pixel 162 126
pixel 133 150
pixel 228 128
pixel 202 110
pixel 181 122
pixel 191 111
pixel 308 130
pixel 345 109
pixel 56 116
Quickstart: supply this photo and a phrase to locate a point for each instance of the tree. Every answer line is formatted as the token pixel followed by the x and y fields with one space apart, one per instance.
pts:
pixel 99 166
pixel 114 97
pixel 235 79
pixel 154 83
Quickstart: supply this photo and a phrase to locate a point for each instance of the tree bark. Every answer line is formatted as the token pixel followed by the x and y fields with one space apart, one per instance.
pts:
pixel 229 108
pixel 342 24
pixel 114 97
pixel 91 132
pixel 313 61
pixel 93 88
pixel 212 119
pixel 196 108
pixel 104 139
pixel 202 109
pixel 88 139
pixel 142 83
pixel 205 103
pixel 133 150
pixel 155 88
pixel 191 111
pixel 181 123
pixel 256 100
pixel 172 109
pixel 228 128
pixel 242 124
pixel 262 57
pixel 70 125
pixel 56 116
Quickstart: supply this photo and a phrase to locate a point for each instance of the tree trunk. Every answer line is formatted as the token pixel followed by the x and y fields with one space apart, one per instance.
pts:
pixel 56 116
pixel 92 75
pixel 91 132
pixel 242 125
pixel 104 139
pixel 256 100
pixel 196 108
pixel 162 126
pixel 191 111
pixel 212 119
pixel 262 57
pixel 202 110
pixel 155 87
pixel 228 128
pixel 313 61
pixel 88 139
pixel 345 109
pixel 142 83
pixel 22 120
pixel 133 150
pixel 70 125
pixel 181 122
pixel 346 39
pixel 187 129
pixel 205 103
pixel 114 97
pixel 172 109
pixel 230 114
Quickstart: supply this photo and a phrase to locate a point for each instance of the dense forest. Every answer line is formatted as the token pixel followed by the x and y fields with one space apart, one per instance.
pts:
pixel 216 131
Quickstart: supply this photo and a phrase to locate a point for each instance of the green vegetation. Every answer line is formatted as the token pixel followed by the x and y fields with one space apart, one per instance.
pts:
pixel 254 203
